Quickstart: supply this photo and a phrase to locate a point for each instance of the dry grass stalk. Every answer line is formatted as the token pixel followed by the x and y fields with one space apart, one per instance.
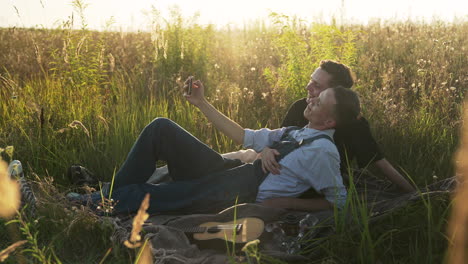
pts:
pixel 458 227
pixel 104 122
pixel 135 238
pixel 10 196
pixel 7 251
pixel 75 124
pixel 145 256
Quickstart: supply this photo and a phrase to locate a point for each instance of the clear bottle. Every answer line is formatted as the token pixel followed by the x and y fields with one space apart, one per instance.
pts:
pixel 15 169
pixel 306 224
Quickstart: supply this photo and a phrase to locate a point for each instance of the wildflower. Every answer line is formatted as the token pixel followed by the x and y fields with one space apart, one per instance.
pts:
pixel 252 69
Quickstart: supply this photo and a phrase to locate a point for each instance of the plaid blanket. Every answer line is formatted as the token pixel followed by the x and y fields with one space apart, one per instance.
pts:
pixel 285 230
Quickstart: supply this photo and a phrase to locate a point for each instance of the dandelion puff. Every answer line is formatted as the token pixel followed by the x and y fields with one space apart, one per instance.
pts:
pixel 7 251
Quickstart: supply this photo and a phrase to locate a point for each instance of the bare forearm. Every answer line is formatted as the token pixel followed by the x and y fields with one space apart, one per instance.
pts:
pixel 315 204
pixel 228 127
pixel 393 175
pixel 246 156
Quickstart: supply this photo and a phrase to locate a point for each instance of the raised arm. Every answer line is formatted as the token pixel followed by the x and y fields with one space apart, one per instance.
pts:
pixel 228 127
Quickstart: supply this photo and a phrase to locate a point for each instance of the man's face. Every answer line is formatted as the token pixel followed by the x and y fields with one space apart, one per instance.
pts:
pixel 319 81
pixel 319 110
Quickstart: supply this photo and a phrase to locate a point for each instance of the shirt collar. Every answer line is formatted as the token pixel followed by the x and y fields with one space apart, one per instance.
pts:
pixel 312 131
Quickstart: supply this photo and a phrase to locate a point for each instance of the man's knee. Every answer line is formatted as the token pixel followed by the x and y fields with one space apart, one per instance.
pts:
pixel 160 123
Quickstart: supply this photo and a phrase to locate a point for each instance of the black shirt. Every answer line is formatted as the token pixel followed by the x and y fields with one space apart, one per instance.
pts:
pixel 352 141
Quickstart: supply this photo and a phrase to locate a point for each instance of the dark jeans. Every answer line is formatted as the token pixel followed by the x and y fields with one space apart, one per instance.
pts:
pixel 201 183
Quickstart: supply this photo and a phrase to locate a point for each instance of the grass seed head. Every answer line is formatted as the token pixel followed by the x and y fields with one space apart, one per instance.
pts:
pixel 138 221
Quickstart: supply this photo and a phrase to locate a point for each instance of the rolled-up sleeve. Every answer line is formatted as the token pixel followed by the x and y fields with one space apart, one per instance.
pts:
pixel 259 139
pixel 336 196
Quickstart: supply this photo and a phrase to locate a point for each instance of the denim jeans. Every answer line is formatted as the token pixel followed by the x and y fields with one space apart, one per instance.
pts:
pixel 201 183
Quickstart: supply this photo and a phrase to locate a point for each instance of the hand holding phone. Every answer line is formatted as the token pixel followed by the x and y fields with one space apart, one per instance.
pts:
pixel 197 96
pixel 188 85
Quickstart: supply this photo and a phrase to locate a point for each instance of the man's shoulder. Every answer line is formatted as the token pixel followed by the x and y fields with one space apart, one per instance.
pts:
pixel 323 143
pixel 300 102
pixel 358 126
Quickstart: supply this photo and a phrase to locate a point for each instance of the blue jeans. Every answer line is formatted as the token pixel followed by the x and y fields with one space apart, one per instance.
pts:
pixel 201 183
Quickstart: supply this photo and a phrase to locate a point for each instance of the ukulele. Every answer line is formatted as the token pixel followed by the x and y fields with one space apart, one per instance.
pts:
pixel 241 230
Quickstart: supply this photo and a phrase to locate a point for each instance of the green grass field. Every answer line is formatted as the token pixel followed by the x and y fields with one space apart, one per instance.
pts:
pixel 411 77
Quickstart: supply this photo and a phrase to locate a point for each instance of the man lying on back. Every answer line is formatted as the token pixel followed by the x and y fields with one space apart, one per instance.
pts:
pixel 201 181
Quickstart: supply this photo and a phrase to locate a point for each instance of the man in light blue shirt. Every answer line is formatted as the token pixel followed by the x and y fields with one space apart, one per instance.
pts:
pixel 314 165
pixel 202 181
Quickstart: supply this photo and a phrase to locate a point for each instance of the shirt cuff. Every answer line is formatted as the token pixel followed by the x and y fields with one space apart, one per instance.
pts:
pixel 336 196
pixel 248 137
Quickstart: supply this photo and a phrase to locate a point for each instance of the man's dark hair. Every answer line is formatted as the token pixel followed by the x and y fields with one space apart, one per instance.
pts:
pixel 347 106
pixel 341 74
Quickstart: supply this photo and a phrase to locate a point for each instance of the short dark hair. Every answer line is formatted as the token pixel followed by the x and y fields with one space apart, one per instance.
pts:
pixel 341 74
pixel 347 108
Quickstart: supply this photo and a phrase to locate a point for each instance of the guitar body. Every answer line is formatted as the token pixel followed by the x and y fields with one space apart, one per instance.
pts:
pixel 241 230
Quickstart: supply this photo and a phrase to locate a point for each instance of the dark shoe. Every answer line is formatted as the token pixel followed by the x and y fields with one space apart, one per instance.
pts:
pixel 81 176
pixel 28 199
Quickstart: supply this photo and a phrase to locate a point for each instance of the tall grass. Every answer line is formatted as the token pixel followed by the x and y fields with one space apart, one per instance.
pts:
pixel 411 78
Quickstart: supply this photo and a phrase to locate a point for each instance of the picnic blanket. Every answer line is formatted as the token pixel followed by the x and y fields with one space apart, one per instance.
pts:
pixel 171 245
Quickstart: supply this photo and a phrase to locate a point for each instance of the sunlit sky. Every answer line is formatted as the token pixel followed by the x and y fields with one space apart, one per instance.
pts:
pixel 133 14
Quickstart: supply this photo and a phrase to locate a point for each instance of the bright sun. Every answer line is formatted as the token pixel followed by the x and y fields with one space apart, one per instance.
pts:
pixel 134 15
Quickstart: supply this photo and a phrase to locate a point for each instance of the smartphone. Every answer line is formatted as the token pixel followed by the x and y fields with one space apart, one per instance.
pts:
pixel 189 83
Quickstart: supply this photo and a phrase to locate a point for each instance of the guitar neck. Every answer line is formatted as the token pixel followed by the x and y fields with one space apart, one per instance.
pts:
pixel 194 229
pixel 212 229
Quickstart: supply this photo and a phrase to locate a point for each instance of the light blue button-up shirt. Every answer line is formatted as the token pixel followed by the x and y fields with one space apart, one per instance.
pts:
pixel 315 165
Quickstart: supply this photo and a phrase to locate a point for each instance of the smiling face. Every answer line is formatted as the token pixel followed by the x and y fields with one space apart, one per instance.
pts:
pixel 320 111
pixel 319 81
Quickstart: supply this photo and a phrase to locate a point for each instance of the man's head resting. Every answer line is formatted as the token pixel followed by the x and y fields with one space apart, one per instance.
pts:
pixel 335 107
pixel 340 73
pixel 329 74
pixel 347 107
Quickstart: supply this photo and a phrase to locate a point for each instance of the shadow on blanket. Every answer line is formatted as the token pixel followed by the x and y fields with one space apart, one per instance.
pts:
pixel 171 245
